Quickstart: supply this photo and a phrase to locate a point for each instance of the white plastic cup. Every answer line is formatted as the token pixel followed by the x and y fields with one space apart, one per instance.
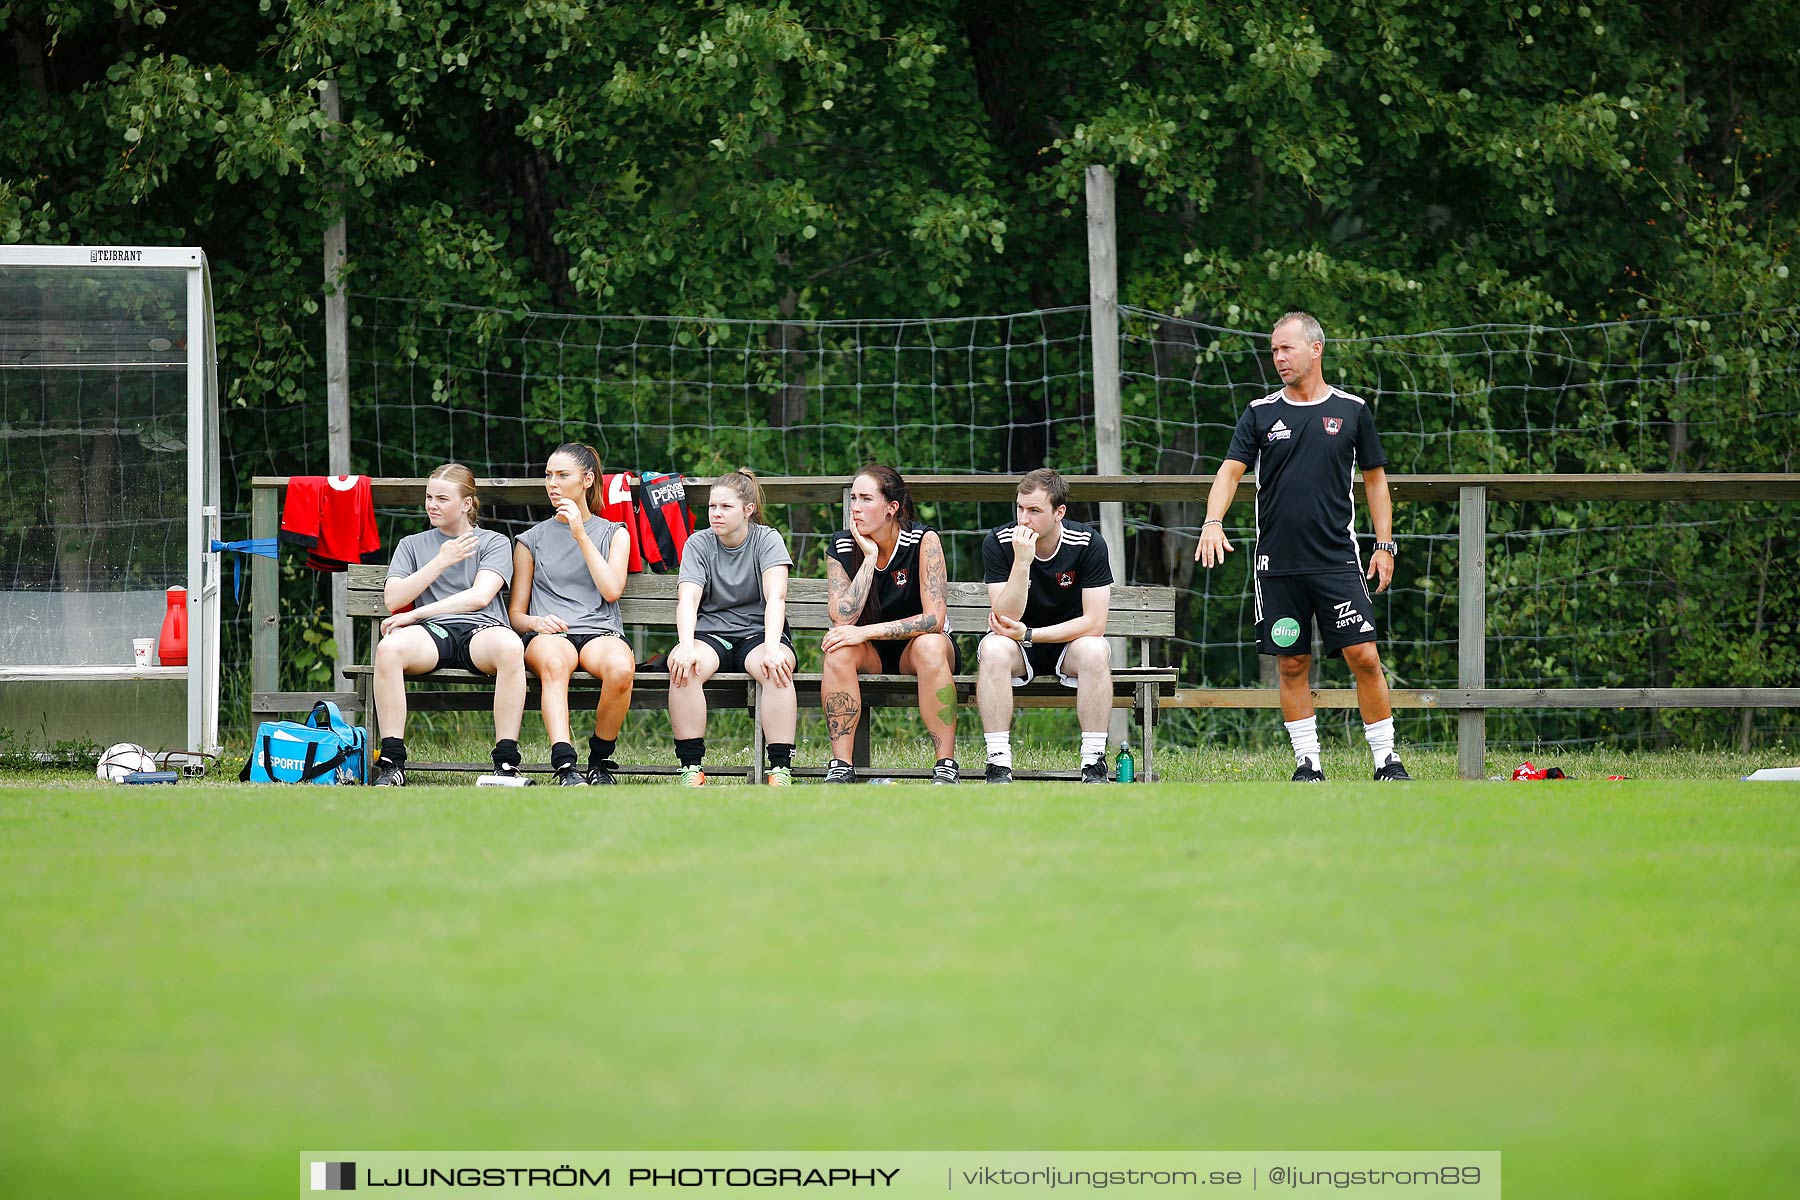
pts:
pixel 141 649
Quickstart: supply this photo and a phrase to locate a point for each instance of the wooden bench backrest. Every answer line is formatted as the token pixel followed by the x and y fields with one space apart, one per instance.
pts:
pixel 1142 612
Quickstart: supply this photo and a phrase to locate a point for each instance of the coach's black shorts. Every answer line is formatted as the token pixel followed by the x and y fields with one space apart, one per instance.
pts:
pixel 733 650
pixel 1287 606
pixel 452 640
pixel 890 652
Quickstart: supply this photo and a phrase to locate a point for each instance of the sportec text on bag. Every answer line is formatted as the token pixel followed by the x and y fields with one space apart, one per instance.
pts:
pixel 324 748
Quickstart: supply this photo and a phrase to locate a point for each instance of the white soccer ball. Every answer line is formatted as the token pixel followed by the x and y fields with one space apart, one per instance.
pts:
pixel 121 760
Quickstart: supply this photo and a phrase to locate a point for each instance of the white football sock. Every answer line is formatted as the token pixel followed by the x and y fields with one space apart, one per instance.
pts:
pixel 1304 734
pixel 1093 746
pixel 1381 741
pixel 999 748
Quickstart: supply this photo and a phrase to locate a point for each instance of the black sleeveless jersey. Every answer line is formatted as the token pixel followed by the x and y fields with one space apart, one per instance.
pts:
pixel 898 589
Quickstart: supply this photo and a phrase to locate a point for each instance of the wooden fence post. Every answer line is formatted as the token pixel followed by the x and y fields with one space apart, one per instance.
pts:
pixel 265 608
pixel 1471 630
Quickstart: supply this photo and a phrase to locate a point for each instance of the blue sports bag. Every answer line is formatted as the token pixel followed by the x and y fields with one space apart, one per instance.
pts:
pixel 324 748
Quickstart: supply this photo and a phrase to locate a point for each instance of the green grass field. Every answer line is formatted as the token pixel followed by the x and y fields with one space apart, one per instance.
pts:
pixel 1599 980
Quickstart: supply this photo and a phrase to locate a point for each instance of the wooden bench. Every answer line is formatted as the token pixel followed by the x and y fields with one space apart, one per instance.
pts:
pixel 1139 613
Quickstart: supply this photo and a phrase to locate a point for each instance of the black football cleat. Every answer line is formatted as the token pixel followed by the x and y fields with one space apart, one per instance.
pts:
pixel 1307 773
pixel 1392 770
pixel 999 774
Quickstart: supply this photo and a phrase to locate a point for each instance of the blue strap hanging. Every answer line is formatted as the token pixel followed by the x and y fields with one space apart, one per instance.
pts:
pixel 263 546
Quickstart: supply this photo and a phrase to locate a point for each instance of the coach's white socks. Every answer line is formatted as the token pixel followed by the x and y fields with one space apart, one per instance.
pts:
pixel 1093 746
pixel 1304 734
pixel 999 748
pixel 1381 741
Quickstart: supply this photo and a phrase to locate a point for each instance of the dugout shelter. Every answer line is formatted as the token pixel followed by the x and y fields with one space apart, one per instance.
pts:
pixel 109 493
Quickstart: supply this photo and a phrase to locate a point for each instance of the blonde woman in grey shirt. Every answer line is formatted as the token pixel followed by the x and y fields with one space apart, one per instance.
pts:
pixel 443 589
pixel 731 614
pixel 568 574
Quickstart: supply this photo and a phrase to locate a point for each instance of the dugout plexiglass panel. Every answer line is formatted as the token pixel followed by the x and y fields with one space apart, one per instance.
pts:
pixel 108 492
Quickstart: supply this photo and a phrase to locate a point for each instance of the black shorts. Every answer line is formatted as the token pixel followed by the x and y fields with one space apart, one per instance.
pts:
pixel 1287 606
pixel 890 652
pixel 452 640
pixel 1044 658
pixel 577 640
pixel 732 651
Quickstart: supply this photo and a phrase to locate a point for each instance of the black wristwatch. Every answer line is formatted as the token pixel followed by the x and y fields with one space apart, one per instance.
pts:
pixel 1390 547
pixel 1026 640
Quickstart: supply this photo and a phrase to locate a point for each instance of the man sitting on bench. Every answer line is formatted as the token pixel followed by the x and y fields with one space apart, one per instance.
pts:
pixel 1050 586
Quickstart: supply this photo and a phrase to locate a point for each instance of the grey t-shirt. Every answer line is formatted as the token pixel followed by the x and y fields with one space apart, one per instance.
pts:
pixel 493 553
pixel 561 584
pixel 731 599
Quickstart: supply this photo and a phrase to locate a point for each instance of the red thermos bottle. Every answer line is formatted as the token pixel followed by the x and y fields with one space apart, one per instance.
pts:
pixel 171 647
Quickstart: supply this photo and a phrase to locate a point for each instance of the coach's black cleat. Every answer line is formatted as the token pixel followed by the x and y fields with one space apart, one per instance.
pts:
pixel 1392 770
pixel 839 771
pixel 1096 772
pixel 998 774
pixel 946 771
pixel 388 773
pixel 1307 773
pixel 601 774
pixel 569 777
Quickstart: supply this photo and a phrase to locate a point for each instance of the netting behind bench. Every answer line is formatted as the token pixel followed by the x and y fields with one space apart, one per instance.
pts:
pixel 1597 594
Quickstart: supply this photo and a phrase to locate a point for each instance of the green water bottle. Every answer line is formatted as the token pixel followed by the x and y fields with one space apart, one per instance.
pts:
pixel 1127 766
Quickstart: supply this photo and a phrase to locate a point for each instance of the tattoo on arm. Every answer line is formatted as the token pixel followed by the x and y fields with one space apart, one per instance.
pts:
pixel 896 630
pixel 847 594
pixel 937 578
pixel 840 713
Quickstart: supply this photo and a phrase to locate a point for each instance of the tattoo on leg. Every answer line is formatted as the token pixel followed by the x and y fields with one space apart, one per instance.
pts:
pixel 840 713
pixel 947 699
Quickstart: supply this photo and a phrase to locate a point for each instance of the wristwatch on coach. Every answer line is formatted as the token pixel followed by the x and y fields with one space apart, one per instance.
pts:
pixel 1390 547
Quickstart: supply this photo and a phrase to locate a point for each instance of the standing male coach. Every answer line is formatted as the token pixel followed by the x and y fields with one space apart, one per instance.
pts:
pixel 1304 441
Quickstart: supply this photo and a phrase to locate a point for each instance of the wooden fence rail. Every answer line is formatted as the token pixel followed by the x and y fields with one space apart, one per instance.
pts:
pixel 1473 494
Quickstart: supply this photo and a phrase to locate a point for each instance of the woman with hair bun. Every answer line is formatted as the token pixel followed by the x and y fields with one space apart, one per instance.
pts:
pixel 731 614
pixel 447 579
pixel 889 605
pixel 568 574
